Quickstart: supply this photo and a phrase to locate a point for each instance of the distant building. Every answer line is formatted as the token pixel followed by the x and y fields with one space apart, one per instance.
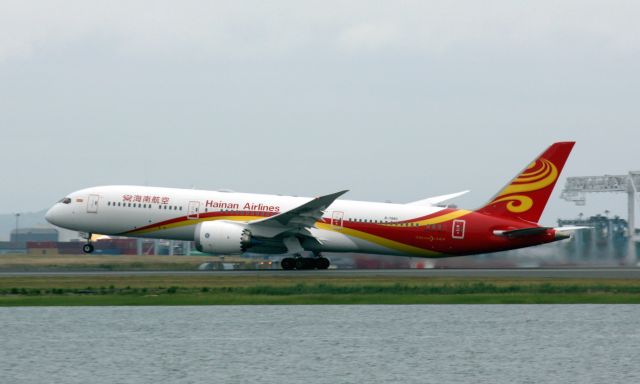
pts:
pixel 607 240
pixel 23 235
pixel 7 247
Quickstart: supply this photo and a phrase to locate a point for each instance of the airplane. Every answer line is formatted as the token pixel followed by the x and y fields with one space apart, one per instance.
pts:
pixel 224 223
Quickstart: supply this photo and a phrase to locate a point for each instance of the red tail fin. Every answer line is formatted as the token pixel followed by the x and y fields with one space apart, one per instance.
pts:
pixel 526 196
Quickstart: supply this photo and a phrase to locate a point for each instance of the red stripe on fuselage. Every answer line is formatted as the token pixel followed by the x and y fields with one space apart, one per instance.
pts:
pixel 478 237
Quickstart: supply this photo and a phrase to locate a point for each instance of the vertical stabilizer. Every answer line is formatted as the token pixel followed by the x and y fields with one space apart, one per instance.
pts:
pixel 526 196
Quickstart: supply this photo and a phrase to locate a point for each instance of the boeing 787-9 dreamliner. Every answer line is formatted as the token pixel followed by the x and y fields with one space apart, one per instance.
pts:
pixel 227 223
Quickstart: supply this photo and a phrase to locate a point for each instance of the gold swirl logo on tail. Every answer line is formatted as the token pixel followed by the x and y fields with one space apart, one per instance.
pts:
pixel 540 174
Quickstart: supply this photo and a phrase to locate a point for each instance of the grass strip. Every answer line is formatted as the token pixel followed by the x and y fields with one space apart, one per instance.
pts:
pixel 426 292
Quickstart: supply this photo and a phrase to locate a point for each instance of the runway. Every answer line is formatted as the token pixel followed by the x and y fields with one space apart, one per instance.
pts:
pixel 550 273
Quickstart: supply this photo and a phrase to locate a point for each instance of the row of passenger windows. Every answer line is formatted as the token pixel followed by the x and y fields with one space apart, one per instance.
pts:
pixel 430 227
pixel 179 208
pixel 434 227
pixel 140 205
pixel 393 223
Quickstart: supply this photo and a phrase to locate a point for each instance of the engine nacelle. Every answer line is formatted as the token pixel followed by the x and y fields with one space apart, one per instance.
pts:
pixel 222 237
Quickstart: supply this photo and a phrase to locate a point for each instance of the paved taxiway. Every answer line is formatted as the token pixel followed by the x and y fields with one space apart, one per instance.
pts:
pixel 564 273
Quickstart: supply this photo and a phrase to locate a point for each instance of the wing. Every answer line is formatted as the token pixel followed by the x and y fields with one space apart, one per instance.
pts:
pixel 437 199
pixel 295 220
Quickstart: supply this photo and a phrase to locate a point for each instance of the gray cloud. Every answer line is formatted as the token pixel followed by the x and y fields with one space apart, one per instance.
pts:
pixel 394 100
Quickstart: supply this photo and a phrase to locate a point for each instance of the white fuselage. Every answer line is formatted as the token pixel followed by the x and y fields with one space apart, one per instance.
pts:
pixel 147 212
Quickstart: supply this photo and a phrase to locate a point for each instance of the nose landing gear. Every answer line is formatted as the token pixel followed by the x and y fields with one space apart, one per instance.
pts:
pixel 88 248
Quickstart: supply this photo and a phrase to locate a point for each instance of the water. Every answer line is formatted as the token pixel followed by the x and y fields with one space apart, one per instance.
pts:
pixel 322 344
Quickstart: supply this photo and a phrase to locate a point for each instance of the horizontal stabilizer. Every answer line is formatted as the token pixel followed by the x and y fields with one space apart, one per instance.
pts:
pixel 570 228
pixel 437 199
pixel 515 233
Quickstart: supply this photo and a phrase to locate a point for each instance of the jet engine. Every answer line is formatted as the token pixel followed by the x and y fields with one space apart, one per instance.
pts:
pixel 222 237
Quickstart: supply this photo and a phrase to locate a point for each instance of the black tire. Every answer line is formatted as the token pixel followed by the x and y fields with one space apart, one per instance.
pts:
pixel 87 248
pixel 301 263
pixel 288 263
pixel 322 263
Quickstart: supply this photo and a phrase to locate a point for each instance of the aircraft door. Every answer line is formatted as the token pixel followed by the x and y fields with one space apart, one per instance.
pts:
pixel 337 218
pixel 92 203
pixel 458 228
pixel 193 211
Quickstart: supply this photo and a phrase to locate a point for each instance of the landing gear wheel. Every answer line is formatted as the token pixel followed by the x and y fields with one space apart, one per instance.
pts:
pixel 87 248
pixel 304 263
pixel 301 263
pixel 322 263
pixel 288 263
pixel 310 263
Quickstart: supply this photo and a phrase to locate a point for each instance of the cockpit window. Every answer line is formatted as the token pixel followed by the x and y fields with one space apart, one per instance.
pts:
pixel 66 200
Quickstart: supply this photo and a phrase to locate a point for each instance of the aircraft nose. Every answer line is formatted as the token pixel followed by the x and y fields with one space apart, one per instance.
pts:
pixel 52 215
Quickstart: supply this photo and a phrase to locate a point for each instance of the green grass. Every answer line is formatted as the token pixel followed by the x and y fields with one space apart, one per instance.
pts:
pixel 142 291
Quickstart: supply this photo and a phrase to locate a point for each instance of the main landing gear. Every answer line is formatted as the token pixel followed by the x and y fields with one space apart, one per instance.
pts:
pixel 300 263
pixel 88 248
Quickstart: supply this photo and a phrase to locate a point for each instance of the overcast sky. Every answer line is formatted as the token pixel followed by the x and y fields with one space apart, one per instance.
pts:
pixel 392 100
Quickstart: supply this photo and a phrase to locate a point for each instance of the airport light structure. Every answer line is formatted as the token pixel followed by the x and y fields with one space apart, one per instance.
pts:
pixel 17 226
pixel 576 188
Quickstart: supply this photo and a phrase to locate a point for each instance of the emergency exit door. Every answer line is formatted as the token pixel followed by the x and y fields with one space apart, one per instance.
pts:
pixel 457 231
